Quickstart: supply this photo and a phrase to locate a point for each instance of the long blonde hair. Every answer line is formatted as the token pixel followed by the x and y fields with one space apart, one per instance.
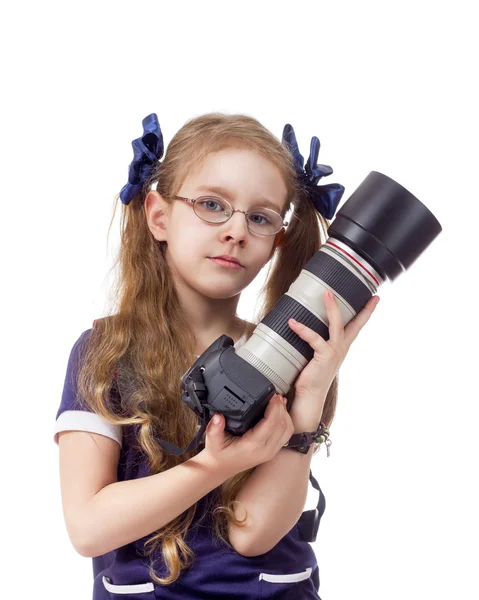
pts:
pixel 146 332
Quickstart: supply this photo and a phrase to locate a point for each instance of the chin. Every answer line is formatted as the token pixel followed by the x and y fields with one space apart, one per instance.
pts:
pixel 222 292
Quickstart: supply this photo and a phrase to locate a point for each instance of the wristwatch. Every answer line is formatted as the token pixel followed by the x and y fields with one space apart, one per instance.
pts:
pixel 302 441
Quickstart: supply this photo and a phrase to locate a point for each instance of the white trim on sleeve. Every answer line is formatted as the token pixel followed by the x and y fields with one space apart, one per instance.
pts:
pixel 81 420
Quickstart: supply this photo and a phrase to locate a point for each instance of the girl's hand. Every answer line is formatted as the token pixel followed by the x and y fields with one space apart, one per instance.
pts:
pixel 233 454
pixel 315 379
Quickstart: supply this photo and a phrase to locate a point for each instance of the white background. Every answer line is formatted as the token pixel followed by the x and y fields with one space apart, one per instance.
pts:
pixel 385 86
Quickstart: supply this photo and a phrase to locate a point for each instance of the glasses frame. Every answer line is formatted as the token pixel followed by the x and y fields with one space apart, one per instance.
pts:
pixel 193 201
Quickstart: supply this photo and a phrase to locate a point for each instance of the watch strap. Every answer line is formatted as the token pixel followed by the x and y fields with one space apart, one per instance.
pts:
pixel 302 441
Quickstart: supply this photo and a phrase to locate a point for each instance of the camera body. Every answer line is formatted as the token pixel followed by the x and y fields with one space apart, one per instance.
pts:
pixel 220 381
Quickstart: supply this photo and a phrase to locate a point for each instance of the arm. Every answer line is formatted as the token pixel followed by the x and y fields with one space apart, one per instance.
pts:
pixel 102 514
pixel 276 492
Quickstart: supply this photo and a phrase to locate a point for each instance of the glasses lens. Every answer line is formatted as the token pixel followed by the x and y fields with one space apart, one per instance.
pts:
pixel 264 221
pixel 212 210
pixel 216 210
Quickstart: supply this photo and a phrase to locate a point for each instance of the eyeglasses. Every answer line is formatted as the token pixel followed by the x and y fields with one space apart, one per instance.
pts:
pixel 211 209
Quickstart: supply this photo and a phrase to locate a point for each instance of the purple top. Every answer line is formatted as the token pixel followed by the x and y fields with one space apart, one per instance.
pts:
pixel 287 571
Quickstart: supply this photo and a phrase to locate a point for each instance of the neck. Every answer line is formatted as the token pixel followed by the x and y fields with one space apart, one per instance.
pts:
pixel 210 317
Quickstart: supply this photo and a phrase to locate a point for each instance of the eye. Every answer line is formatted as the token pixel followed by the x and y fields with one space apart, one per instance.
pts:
pixel 259 219
pixel 211 204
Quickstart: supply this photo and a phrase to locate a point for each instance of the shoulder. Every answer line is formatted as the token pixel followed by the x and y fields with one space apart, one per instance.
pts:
pixel 103 323
pixel 77 351
pixel 78 348
pixel 74 412
pixel 98 326
pixel 88 340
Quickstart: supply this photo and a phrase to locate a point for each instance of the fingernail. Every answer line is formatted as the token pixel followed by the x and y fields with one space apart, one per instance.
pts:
pixel 293 321
pixel 216 419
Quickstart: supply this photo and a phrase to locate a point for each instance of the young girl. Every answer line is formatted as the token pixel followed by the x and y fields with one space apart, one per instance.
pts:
pixel 219 521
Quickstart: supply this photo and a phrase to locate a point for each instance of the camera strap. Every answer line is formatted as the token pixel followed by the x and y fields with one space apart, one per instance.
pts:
pixel 309 521
pixel 176 450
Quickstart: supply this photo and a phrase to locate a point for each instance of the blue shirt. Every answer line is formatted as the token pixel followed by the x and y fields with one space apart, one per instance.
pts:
pixel 287 571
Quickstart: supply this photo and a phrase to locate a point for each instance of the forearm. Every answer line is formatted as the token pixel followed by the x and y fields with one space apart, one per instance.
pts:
pixel 274 498
pixel 275 493
pixel 125 511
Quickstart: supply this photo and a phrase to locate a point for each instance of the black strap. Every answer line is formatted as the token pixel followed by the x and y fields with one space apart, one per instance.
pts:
pixel 302 441
pixel 309 521
pixel 176 450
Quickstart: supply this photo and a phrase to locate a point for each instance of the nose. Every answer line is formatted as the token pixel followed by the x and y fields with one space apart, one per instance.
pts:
pixel 235 227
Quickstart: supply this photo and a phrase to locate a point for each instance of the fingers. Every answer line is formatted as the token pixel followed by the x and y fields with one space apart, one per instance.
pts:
pixel 274 426
pixel 336 327
pixel 260 443
pixel 355 325
pixel 216 426
pixel 280 424
pixel 316 342
pixel 337 332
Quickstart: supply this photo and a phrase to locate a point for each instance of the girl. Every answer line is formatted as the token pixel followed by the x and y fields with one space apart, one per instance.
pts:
pixel 220 521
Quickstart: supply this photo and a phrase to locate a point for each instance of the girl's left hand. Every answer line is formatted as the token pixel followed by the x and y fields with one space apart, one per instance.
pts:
pixel 316 378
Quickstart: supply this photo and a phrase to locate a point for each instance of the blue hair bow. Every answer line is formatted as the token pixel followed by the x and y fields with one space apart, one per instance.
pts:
pixel 324 197
pixel 147 149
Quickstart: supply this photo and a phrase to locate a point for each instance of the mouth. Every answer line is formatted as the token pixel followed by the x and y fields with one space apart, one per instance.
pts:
pixel 229 264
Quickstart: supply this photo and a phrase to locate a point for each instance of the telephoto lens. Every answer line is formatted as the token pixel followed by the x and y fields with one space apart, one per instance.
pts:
pixel 376 235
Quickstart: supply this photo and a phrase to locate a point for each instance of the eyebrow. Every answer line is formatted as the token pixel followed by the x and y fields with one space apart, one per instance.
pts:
pixel 221 191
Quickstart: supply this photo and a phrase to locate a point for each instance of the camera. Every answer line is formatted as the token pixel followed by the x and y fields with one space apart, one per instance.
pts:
pixel 377 235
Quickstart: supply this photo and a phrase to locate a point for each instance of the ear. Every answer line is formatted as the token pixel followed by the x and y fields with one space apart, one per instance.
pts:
pixel 157 211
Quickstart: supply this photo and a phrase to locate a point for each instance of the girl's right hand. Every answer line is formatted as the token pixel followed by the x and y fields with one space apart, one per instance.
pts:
pixel 233 454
